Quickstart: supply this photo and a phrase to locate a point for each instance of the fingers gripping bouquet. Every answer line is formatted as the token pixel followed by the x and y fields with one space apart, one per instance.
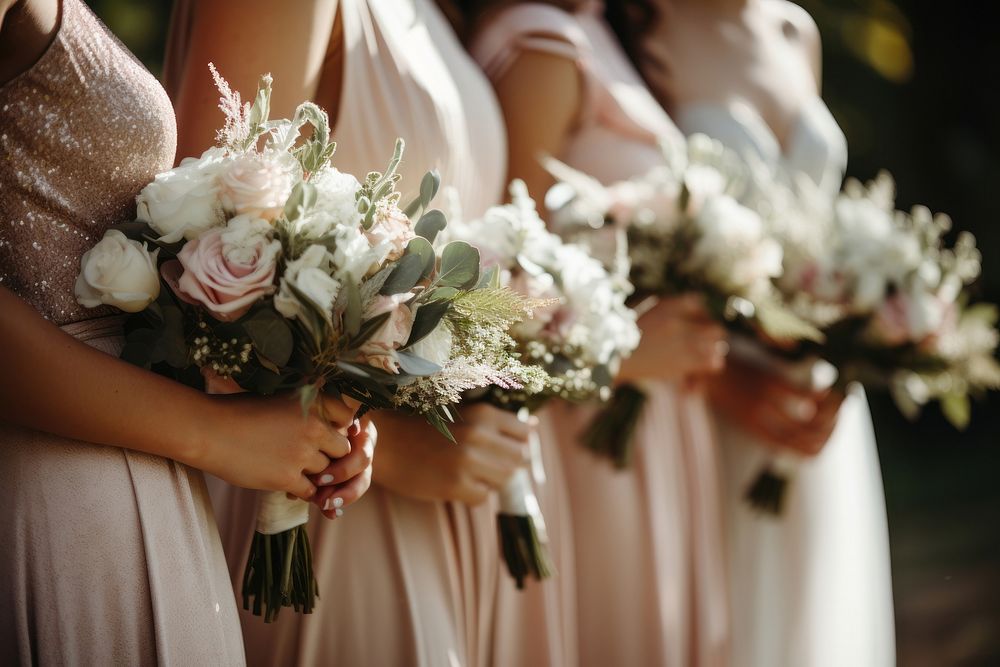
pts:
pixel 680 227
pixel 893 302
pixel 578 334
pixel 285 274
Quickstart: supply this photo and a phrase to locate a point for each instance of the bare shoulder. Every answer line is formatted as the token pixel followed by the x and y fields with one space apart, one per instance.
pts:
pixel 798 26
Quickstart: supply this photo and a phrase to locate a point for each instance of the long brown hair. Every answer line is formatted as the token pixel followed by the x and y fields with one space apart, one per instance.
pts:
pixel 631 21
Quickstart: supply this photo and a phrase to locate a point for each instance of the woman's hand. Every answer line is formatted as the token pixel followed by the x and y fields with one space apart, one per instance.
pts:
pixel 346 479
pixel 418 462
pixel 775 411
pixel 679 341
pixel 268 444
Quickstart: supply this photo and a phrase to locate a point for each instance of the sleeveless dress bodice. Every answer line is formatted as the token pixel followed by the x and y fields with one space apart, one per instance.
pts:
pixel 111 556
pixel 83 130
pixel 820 573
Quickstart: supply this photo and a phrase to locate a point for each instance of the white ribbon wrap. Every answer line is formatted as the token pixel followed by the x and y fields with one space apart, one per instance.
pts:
pixel 517 497
pixel 276 513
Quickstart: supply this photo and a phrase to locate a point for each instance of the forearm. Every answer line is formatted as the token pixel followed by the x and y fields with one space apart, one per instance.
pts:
pixel 55 383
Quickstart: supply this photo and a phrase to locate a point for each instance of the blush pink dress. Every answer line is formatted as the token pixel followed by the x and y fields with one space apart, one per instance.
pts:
pixel 109 556
pixel 402 581
pixel 649 556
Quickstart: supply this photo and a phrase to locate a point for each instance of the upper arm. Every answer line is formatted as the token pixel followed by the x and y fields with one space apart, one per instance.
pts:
pixel 260 36
pixel 541 95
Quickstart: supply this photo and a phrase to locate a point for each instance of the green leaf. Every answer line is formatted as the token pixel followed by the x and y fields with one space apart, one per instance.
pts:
pixel 172 347
pixel 368 329
pixel 414 365
pixel 423 248
pixel 270 334
pixel 426 320
pixel 438 422
pixel 407 273
pixel 429 186
pixel 489 278
pixel 439 293
pixel 783 325
pixel 430 224
pixel 957 410
pixel 302 198
pixel 459 265
pixel 139 347
pixel 353 312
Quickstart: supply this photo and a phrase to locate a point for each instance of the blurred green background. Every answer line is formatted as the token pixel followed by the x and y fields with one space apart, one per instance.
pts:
pixel 914 85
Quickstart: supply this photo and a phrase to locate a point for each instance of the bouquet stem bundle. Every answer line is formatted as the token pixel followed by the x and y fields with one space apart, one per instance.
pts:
pixel 279 573
pixel 610 432
pixel 524 542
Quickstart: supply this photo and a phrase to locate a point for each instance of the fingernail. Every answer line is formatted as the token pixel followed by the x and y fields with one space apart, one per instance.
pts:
pixel 354 429
pixel 338 512
pixel 326 479
pixel 338 502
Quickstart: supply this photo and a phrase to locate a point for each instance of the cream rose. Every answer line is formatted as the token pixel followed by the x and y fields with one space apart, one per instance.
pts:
pixel 391 229
pixel 184 202
pixel 380 349
pixel 118 272
pixel 255 186
pixel 436 346
pixel 310 275
pixel 229 268
pixel 336 204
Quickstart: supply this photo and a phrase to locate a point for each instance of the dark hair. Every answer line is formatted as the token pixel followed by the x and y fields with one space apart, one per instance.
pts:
pixel 631 20
pixel 466 14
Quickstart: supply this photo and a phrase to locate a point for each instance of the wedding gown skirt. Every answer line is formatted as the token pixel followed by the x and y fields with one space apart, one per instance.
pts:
pixel 812 587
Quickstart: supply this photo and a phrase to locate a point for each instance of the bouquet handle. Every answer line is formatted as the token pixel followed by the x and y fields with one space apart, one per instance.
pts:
pixel 524 541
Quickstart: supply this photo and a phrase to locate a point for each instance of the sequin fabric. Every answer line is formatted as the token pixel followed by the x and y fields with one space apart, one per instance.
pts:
pixel 81 132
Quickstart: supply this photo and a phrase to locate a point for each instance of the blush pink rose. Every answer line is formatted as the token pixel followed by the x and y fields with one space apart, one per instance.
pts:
pixel 256 187
pixel 227 270
pixel 380 350
pixel 392 228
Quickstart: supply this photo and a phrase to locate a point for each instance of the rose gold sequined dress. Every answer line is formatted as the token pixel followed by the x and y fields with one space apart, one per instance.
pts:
pixel 108 556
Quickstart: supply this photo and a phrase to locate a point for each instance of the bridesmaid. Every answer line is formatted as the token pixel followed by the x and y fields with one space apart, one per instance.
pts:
pixel 649 575
pixel 111 554
pixel 813 586
pixel 412 572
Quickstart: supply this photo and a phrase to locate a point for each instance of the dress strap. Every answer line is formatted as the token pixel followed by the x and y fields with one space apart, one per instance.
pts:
pixel 528 27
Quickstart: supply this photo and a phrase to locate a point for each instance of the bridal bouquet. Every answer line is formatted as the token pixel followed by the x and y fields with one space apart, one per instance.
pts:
pixel 578 334
pixel 284 273
pixel 680 227
pixel 891 297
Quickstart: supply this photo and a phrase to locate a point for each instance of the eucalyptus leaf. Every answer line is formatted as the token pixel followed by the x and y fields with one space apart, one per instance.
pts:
pixel 429 186
pixel 439 293
pixel 459 265
pixel 430 224
pixel 371 287
pixel 489 278
pixel 423 248
pixel 270 334
pixel 428 317
pixel 405 275
pixel 368 329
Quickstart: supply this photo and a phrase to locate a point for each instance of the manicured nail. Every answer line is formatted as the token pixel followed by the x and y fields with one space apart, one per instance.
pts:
pixel 338 512
pixel 354 429
pixel 338 502
pixel 326 479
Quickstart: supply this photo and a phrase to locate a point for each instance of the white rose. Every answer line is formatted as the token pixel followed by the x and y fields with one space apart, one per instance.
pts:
pixel 118 272
pixel 336 204
pixel 353 255
pixel 436 346
pixel 731 249
pixel 184 202
pixel 255 186
pixel 309 274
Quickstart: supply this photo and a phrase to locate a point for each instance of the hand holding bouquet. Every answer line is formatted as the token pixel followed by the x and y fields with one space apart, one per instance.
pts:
pixel 578 334
pixel 284 273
